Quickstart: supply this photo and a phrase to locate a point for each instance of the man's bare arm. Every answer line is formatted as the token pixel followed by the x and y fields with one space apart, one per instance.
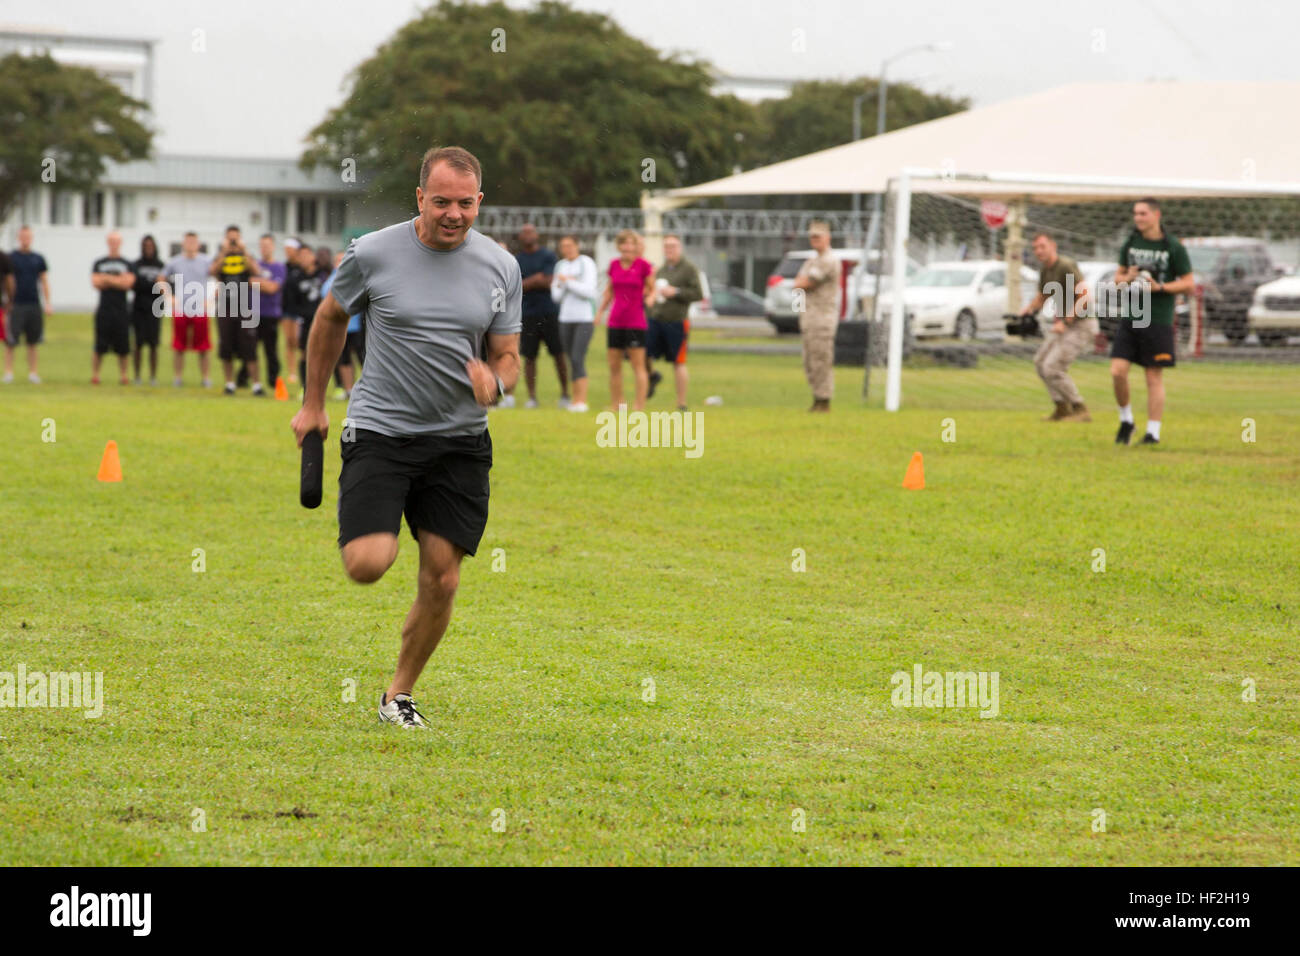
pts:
pixel 1182 284
pixel 503 357
pixel 329 331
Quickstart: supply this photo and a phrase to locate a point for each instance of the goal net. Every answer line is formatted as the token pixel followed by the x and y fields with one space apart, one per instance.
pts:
pixel 970 265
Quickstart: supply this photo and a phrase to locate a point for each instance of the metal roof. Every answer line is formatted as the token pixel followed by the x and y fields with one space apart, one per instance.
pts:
pixel 229 173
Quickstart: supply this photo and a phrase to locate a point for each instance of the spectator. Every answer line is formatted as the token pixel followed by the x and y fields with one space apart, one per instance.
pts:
pixel 630 290
pixel 185 278
pixel 237 309
pixel 26 317
pixel 112 276
pixel 677 285
pixel 146 312
pixel 344 370
pixel 541 317
pixel 293 251
pixel 573 289
pixel 6 295
pixel 306 297
pixel 270 293
pixel 819 278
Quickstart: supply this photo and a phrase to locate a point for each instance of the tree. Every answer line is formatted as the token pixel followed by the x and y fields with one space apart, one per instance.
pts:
pixel 818 114
pixel 561 107
pixel 60 125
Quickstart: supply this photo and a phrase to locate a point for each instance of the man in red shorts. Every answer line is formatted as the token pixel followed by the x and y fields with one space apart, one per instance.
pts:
pixel 187 275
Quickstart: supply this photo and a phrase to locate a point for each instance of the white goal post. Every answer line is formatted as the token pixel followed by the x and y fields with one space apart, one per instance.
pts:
pixel 1018 189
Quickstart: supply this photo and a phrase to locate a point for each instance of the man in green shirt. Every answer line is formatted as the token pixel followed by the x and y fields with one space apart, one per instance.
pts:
pixel 1155 267
pixel 1061 283
pixel 677 285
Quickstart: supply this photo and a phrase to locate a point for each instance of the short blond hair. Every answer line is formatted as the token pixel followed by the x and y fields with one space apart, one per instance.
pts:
pixel 626 234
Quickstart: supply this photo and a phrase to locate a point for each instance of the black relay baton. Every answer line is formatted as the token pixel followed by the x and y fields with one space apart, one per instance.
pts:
pixel 313 459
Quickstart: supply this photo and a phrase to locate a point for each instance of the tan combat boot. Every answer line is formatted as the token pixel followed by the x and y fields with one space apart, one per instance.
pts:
pixel 1078 413
pixel 1062 409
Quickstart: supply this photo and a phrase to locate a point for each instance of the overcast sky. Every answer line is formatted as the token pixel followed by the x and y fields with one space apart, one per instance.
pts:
pixel 293 57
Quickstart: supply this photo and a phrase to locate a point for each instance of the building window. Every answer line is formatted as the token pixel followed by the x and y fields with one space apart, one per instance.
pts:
pixel 124 210
pixel 60 207
pixel 277 217
pixel 94 206
pixel 336 215
pixel 306 215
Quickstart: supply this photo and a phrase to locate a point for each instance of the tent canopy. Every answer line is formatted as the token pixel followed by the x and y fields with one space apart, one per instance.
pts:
pixel 1114 140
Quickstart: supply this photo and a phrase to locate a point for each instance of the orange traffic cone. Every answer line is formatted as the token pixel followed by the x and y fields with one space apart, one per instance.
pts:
pixel 110 469
pixel 281 393
pixel 914 480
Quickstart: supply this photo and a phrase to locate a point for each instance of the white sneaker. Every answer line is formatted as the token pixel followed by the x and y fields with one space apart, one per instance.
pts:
pixel 401 711
pixel 578 407
pixel 8 379
pixel 177 382
pixel 153 383
pixel 507 402
pixel 33 378
pixel 207 383
pixel 532 403
pixel 563 401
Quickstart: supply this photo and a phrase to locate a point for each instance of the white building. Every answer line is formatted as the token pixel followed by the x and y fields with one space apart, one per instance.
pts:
pixel 168 195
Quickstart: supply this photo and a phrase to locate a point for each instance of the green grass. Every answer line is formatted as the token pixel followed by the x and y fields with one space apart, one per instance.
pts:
pixel 224 690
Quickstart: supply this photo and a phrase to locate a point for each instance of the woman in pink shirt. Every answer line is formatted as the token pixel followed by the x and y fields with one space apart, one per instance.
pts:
pixel 630 290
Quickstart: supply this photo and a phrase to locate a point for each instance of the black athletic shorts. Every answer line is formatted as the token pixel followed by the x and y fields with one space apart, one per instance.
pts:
pixel 235 341
pixel 538 329
pixel 440 482
pixel 625 338
pixel 146 327
pixel 1152 347
pixel 667 340
pixel 112 332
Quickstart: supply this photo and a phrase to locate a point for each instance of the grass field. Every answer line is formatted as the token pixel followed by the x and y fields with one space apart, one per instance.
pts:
pixel 226 690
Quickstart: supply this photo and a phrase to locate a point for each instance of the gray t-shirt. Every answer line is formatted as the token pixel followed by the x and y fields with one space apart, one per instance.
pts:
pixel 427 313
pixel 191 290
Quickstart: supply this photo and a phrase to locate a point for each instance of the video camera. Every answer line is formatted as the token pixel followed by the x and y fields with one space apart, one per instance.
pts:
pixel 1026 326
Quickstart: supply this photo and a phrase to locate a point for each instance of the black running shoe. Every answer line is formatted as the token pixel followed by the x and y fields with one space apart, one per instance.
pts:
pixel 401 711
pixel 655 379
pixel 1150 439
pixel 1124 434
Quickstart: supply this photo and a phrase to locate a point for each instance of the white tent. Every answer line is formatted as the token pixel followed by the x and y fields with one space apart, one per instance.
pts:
pixel 1083 141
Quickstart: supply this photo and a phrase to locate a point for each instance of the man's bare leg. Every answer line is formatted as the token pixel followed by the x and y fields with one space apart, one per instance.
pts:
pixel 427 620
pixel 562 371
pixel 683 379
pixel 1155 394
pixel 530 378
pixel 1119 379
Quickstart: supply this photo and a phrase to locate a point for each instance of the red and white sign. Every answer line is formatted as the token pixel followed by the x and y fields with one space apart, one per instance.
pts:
pixel 993 213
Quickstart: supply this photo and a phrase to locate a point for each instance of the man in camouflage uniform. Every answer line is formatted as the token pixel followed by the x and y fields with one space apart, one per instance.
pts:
pixel 819 282
pixel 1073 331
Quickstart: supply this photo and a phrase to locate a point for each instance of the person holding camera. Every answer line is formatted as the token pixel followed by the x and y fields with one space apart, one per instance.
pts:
pixel 1060 281
pixel 237 300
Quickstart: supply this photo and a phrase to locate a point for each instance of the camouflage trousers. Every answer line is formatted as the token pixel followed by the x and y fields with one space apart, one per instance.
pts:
pixel 818 339
pixel 1052 361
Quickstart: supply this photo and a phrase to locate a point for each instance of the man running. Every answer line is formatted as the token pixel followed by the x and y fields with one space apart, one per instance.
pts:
pixel 434 291
pixel 1153 258
pixel 1060 282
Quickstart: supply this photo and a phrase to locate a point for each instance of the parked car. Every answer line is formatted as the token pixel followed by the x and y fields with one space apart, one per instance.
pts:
pixel 862 283
pixel 730 300
pixel 702 308
pixel 1274 311
pixel 1228 270
pixel 780 286
pixel 959 298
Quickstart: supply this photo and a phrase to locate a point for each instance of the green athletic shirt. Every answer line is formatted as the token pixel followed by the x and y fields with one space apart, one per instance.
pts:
pixel 1166 260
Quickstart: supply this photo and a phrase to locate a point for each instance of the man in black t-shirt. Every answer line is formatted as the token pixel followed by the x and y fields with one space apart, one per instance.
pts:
pixel 237 311
pixel 541 315
pixel 112 276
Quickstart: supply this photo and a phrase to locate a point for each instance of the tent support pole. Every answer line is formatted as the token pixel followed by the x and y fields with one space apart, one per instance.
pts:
pixel 1014 250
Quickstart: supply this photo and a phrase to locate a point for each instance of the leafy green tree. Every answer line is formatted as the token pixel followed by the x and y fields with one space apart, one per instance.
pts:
pixel 60 125
pixel 561 107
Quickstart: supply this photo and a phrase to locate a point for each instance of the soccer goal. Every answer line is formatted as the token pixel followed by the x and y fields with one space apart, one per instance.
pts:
pixel 956 253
